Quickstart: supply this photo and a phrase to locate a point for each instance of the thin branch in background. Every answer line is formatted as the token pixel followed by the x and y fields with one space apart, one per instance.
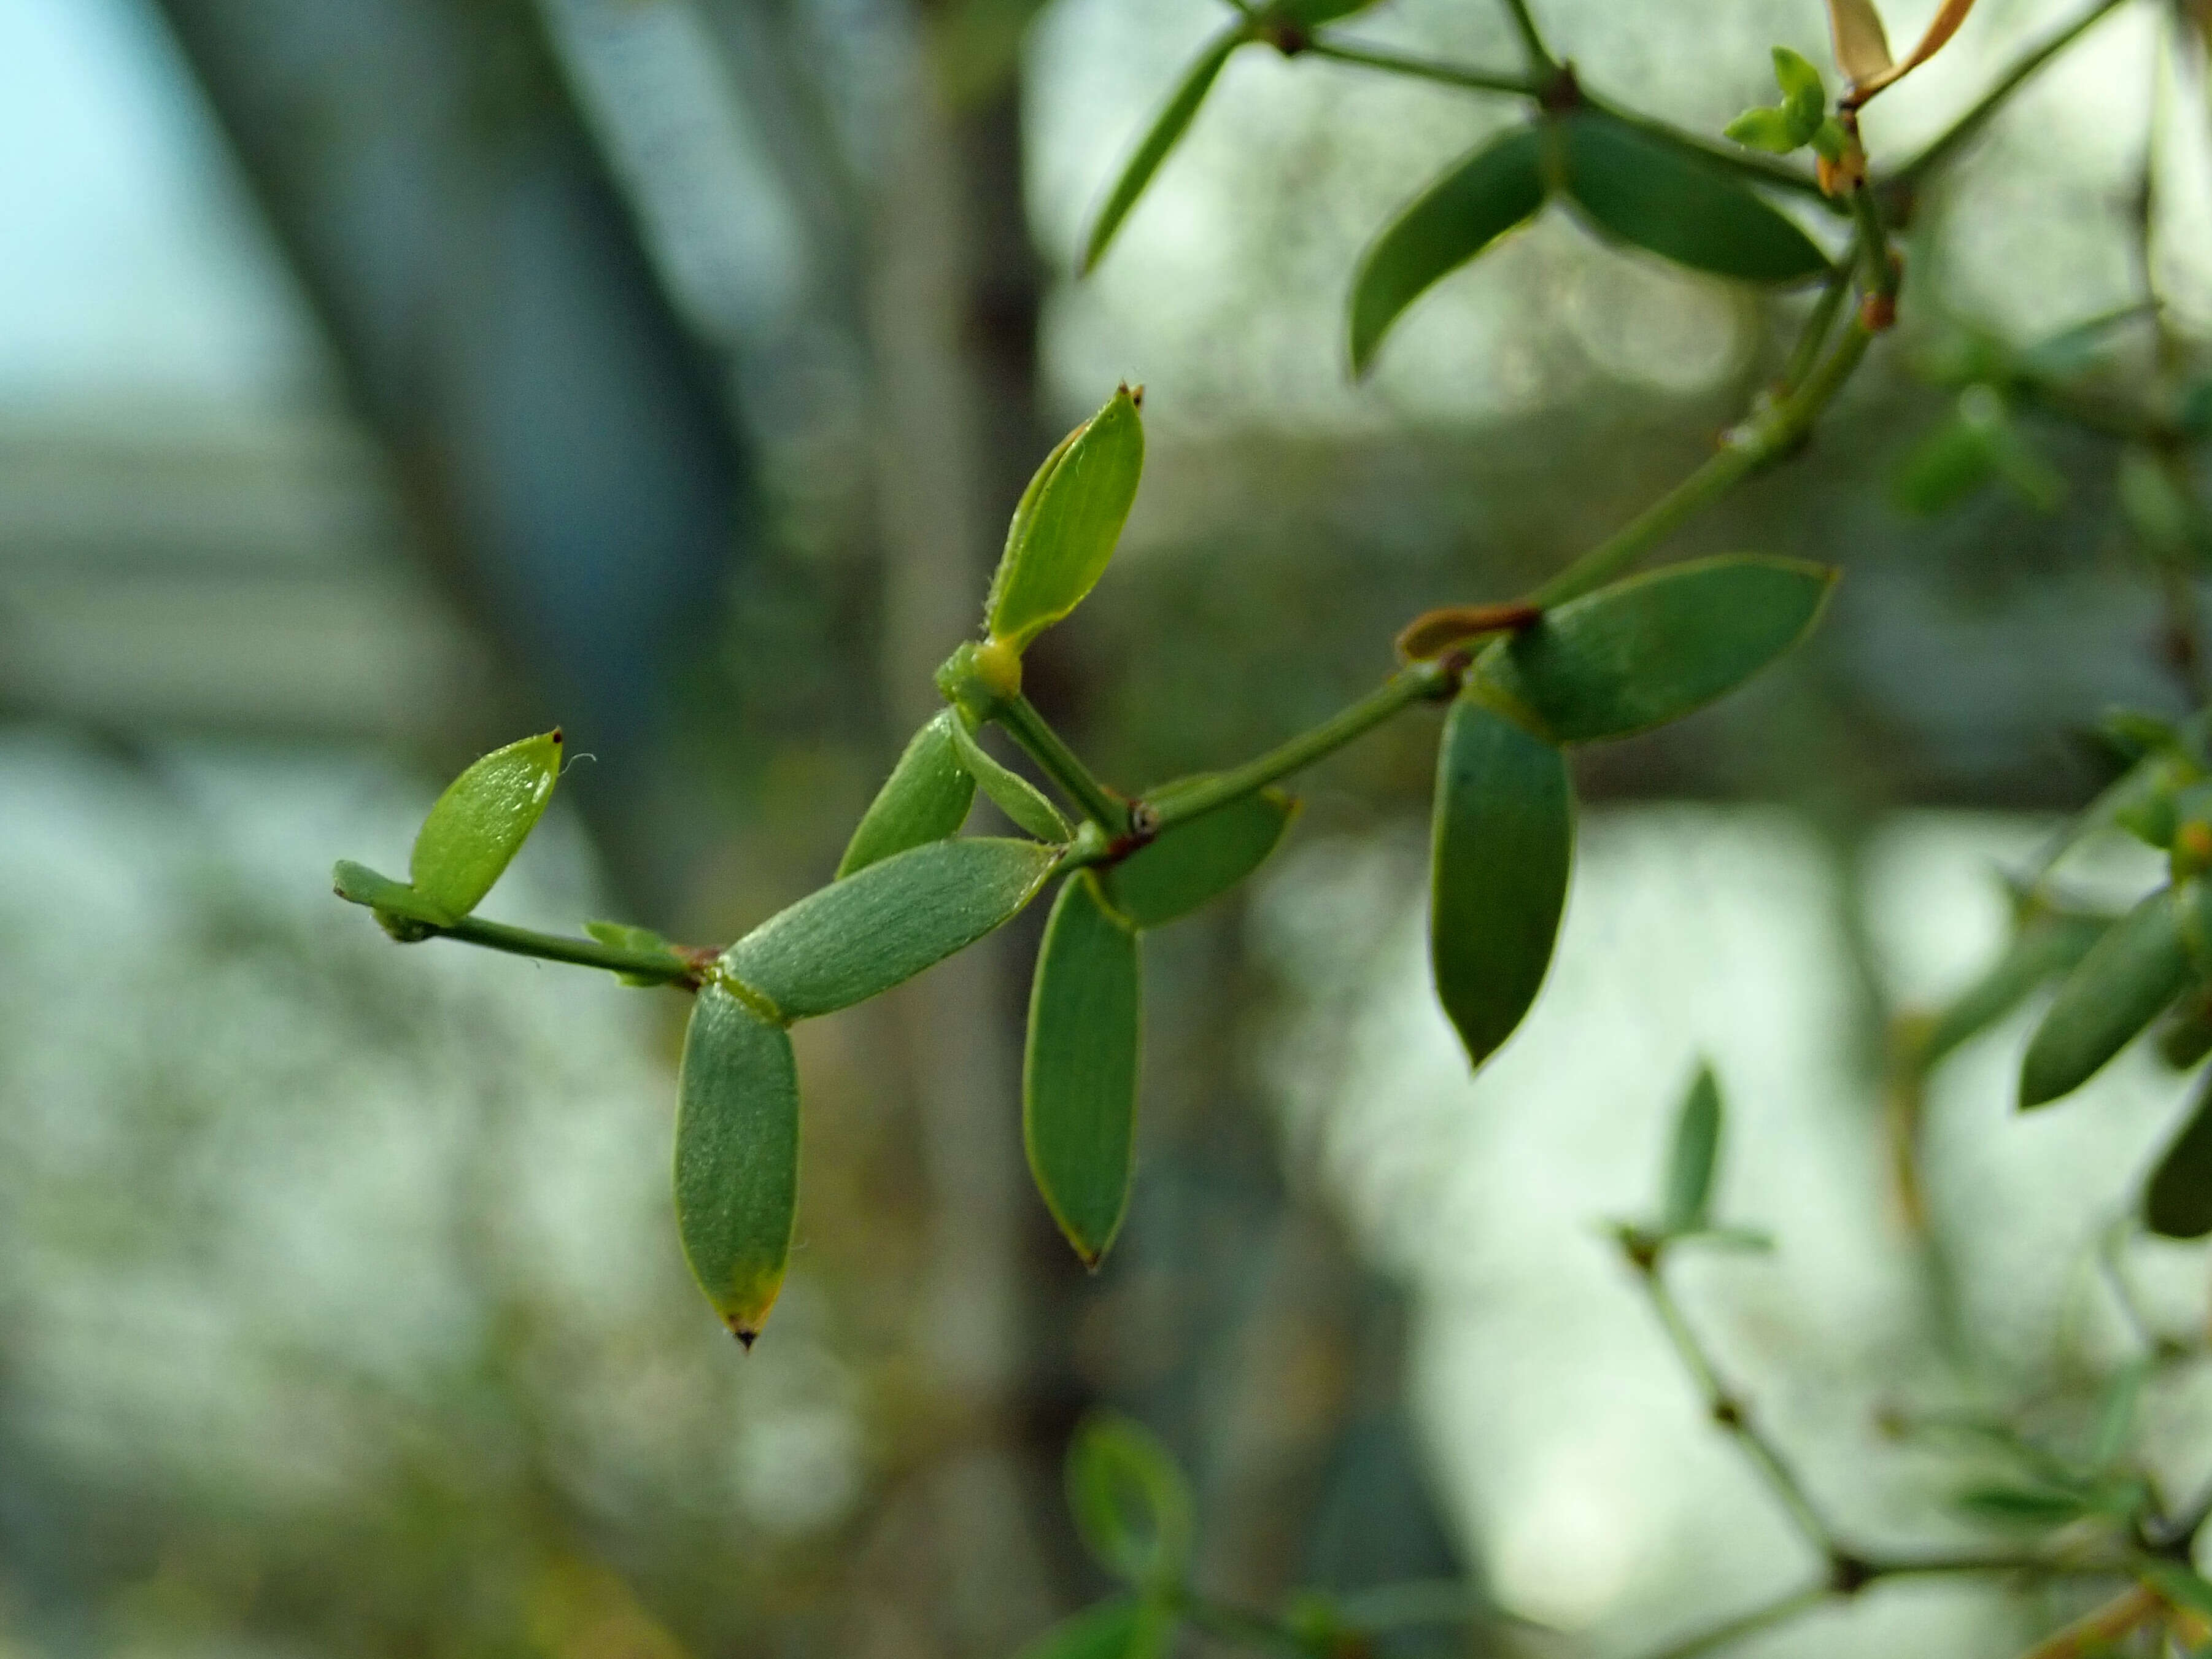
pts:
pixel 1532 38
pixel 1978 115
pixel 1419 68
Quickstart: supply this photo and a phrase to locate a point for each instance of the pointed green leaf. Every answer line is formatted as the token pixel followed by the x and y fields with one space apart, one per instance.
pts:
pixel 859 937
pixel 1770 130
pixel 1162 137
pixel 2178 1199
pixel 481 822
pixel 926 799
pixel 1651 649
pixel 1063 535
pixel 1131 1503
pixel 2122 985
pixel 737 1157
pixel 1123 1628
pixel 1197 861
pixel 1695 1151
pixel 1503 839
pixel 2044 948
pixel 1013 793
pixel 1080 1074
pixel 1638 190
pixel 1478 200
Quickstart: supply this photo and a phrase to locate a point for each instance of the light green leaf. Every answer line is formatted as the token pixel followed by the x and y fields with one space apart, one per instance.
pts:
pixel 1634 188
pixel 1131 1503
pixel 926 799
pixel 1479 199
pixel 1196 862
pixel 1079 1072
pixel 1804 99
pixel 1502 840
pixel 1123 1628
pixel 1770 130
pixel 1063 533
pixel 481 822
pixel 1160 139
pixel 400 910
pixel 1653 648
pixel 737 1157
pixel 2122 985
pixel 2178 1199
pixel 1695 1151
pixel 859 937
pixel 1013 794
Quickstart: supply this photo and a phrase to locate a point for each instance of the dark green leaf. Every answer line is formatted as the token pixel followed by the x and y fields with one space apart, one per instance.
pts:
pixel 1695 1151
pixel 2178 1199
pixel 2047 946
pixel 2122 984
pixel 1653 648
pixel 1646 192
pixel 1503 839
pixel 481 822
pixel 926 799
pixel 1123 1628
pixel 1064 532
pixel 737 1157
pixel 1313 14
pixel 1478 200
pixel 1162 137
pixel 1197 861
pixel 1013 793
pixel 2186 1036
pixel 2036 1507
pixel 1132 1505
pixel 860 936
pixel 1080 1074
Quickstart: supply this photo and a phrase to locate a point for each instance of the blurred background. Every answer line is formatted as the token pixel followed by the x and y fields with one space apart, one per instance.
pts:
pixel 380 382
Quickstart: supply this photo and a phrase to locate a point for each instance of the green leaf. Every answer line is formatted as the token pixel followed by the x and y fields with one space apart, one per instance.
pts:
pixel 1063 534
pixel 1131 1503
pixel 1079 1073
pixel 1503 839
pixel 1651 649
pixel 1197 861
pixel 1943 468
pixel 2178 1199
pixel 400 910
pixel 1696 1151
pixel 2186 1037
pixel 2178 1583
pixel 1639 189
pixel 1804 99
pixel 2033 1507
pixel 2044 948
pixel 1314 14
pixel 926 799
pixel 481 822
pixel 1477 200
pixel 2122 985
pixel 737 1157
pixel 1160 138
pixel 1123 1628
pixel 1766 129
pixel 1013 793
pixel 859 937
pixel 623 936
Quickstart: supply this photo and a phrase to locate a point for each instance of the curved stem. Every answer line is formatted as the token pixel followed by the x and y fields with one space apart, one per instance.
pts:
pixel 1427 69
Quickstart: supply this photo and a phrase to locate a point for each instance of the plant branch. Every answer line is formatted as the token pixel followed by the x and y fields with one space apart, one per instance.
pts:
pixel 681 966
pixel 1422 681
pixel 1820 323
pixel 1780 1611
pixel 1532 40
pixel 1752 164
pixel 1731 1412
pixel 1963 129
pixel 1428 69
pixel 1101 805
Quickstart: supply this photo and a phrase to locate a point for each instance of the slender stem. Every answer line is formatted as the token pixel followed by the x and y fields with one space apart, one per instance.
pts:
pixel 1780 1611
pixel 1428 69
pixel 1882 271
pixel 1752 164
pixel 1731 1412
pixel 579 952
pixel 1967 125
pixel 1062 764
pixel 1820 323
pixel 1532 40
pixel 1423 681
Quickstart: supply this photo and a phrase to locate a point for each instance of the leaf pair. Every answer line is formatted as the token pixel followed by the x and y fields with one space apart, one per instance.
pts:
pixel 1631 656
pixel 1626 185
pixel 1079 1072
pixel 737 1130
pixel 1793 123
pixel 1133 1511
